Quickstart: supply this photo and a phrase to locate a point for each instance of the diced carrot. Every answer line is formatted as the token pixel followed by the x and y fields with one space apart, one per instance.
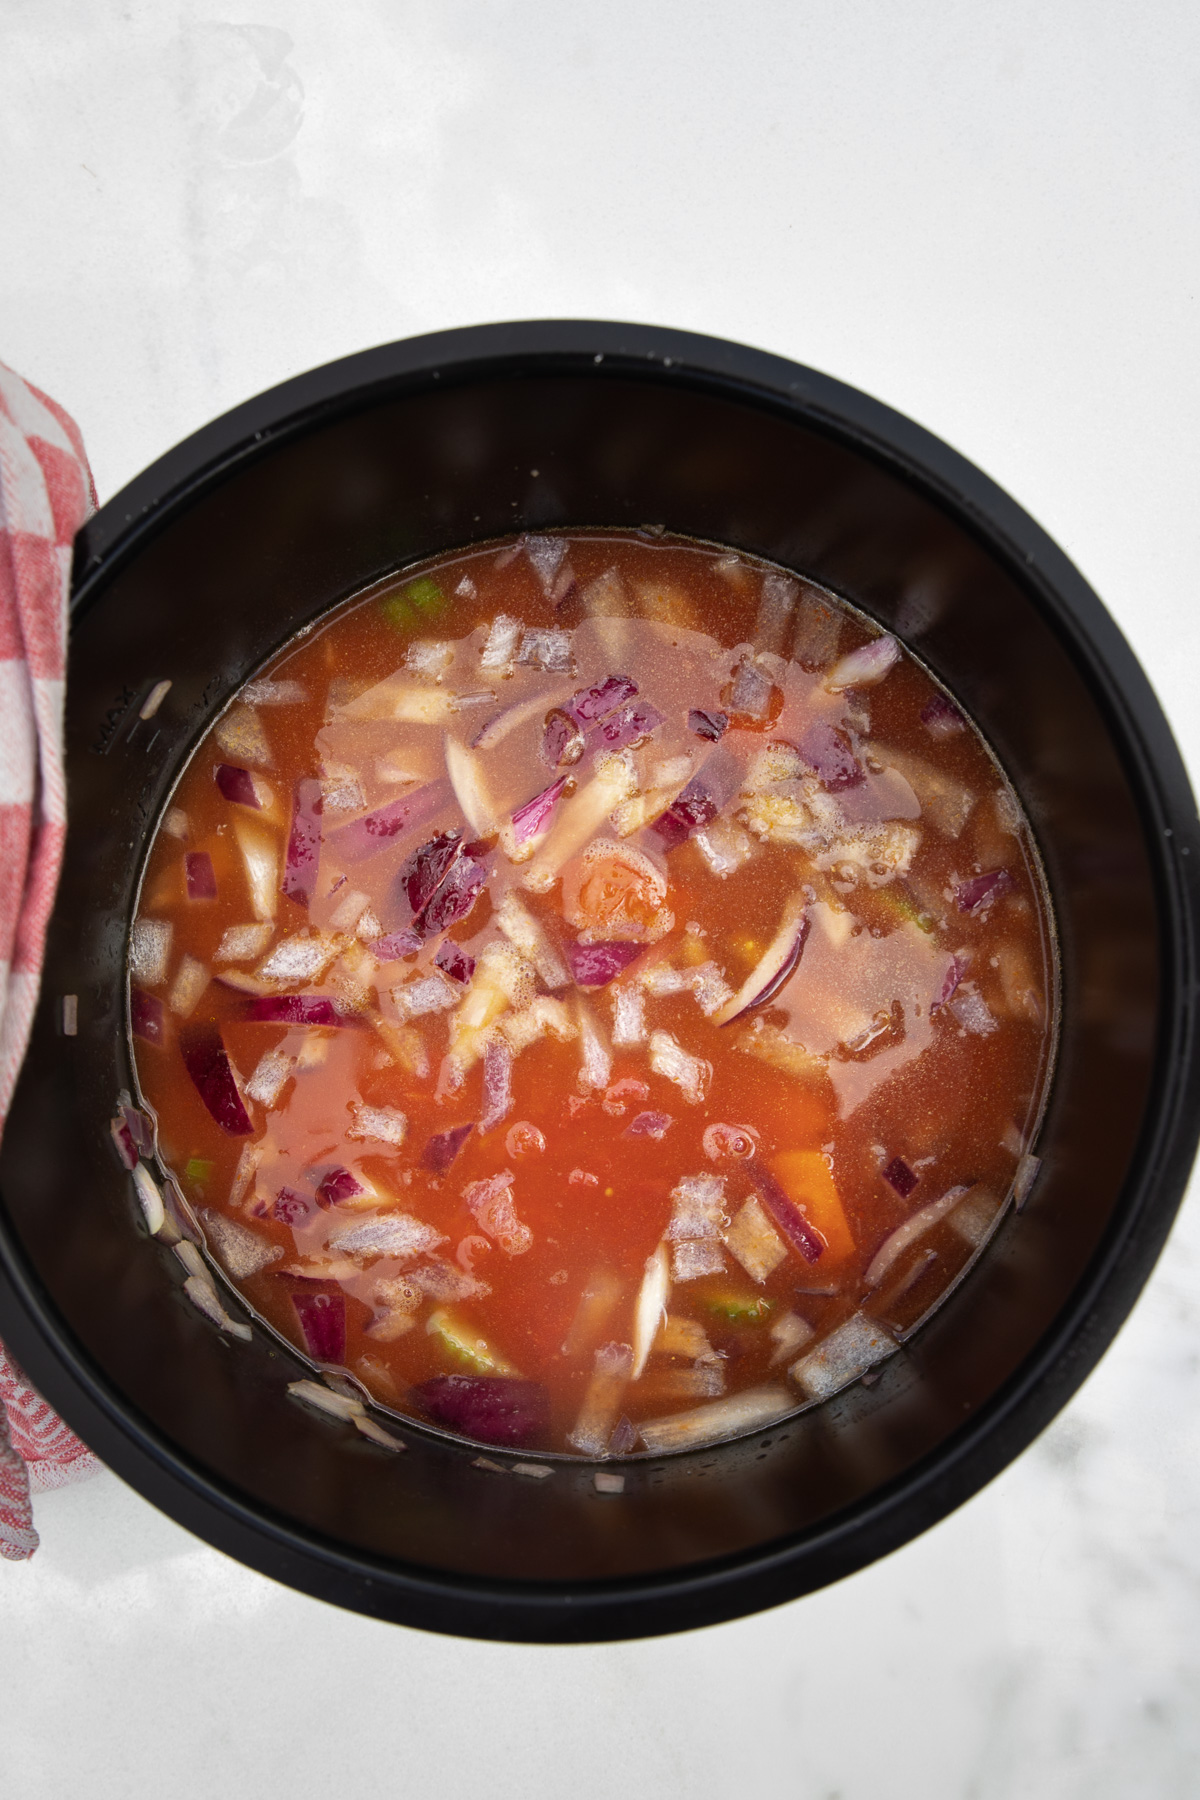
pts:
pixel 805 1178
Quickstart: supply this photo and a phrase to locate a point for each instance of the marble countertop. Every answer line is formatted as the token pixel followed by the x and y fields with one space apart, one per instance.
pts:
pixel 987 218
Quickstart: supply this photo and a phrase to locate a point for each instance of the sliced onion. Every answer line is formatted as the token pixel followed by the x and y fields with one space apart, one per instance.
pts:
pixel 970 896
pixel 786 1214
pixel 200 875
pixel 337 1184
pixel 240 787
pixel 701 800
pixel 304 843
pixel 494 1409
pixel 208 1064
pixel 298 1009
pixel 865 666
pixel 941 718
pixel 720 1419
pixel 533 818
pixel 595 965
pixel 651 1308
pixel 627 728
pixel 912 1229
pixel 593 703
pixel 365 837
pixel 899 1176
pixel 562 740
pixel 497 1082
pixel 440 1151
pixel 456 896
pixel 829 750
pixel 775 966
pixel 291 1208
pixel 649 1124
pixel 396 946
pixel 453 961
pixel 260 857
pixel 710 725
pixel 147 1018
pixel 122 1137
pixel 322 1319
pixel 466 778
pixel 950 981
pixel 428 866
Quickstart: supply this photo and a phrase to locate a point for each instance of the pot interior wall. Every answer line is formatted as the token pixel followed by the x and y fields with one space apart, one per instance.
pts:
pixel 303 521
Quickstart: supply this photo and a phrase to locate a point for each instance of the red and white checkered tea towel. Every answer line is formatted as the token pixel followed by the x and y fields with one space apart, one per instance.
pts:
pixel 46 493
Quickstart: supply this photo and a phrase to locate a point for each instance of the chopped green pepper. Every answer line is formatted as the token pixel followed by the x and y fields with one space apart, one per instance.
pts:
pixel 198 1169
pixel 741 1309
pixel 418 599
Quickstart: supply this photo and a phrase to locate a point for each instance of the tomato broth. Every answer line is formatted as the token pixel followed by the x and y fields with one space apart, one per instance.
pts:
pixel 596 992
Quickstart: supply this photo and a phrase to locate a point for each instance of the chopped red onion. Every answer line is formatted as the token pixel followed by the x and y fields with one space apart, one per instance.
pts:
pixel 981 890
pixel 122 1137
pixel 865 666
pixel 531 819
pixel 441 1150
pixel 338 1184
pixel 396 946
pixel 427 868
pixel 625 729
pixel 941 718
pixel 828 748
pixel 775 967
pixel 710 725
pixel 562 740
pixel 323 1321
pixel 201 877
pixel 291 1208
pixel 898 1175
pixel 367 836
pixel 593 703
pixel 147 1019
pixel 451 959
pixel 304 843
pixel 497 1082
pixel 649 1124
pixel 701 800
pixel 785 1213
pixel 140 1127
pixel 297 1009
pixel 456 896
pixel 950 981
pixel 750 693
pixel 237 785
pixel 914 1227
pixel 208 1064
pixel 595 965
pixel 495 1409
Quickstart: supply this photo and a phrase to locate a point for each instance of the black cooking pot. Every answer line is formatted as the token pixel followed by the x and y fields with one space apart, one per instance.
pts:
pixel 207 563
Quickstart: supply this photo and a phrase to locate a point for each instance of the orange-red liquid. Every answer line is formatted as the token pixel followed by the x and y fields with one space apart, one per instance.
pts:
pixel 849 1066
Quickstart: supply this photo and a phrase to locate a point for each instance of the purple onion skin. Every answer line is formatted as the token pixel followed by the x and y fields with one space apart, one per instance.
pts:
pixel 367 836
pixel 632 725
pixel 338 1184
pixel 296 1009
pixel 453 961
pixel 942 718
pixel 595 965
pixel 304 843
pixel 562 740
pixel 493 1409
pixel 141 1130
pixel 323 1321
pixel 427 867
pixel 593 703
pixel 207 1062
pixel 122 1137
pixel 290 1208
pixel 441 1150
pixel 971 895
pixel 784 974
pixel 201 877
pixel 649 1124
pixel 146 1016
pixel 694 809
pixel 710 725
pixel 534 816
pixel 899 1176
pixel 790 1220
pixel 236 785
pixel 397 945
pixel 953 976
pixel 829 751
pixel 456 896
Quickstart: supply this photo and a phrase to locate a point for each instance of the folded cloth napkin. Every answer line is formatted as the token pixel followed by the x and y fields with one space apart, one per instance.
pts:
pixel 46 493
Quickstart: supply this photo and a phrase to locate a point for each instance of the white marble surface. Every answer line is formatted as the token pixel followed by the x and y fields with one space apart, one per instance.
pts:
pixel 987 217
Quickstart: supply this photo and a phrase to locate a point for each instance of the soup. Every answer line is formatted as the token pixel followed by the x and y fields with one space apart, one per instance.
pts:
pixel 594 994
